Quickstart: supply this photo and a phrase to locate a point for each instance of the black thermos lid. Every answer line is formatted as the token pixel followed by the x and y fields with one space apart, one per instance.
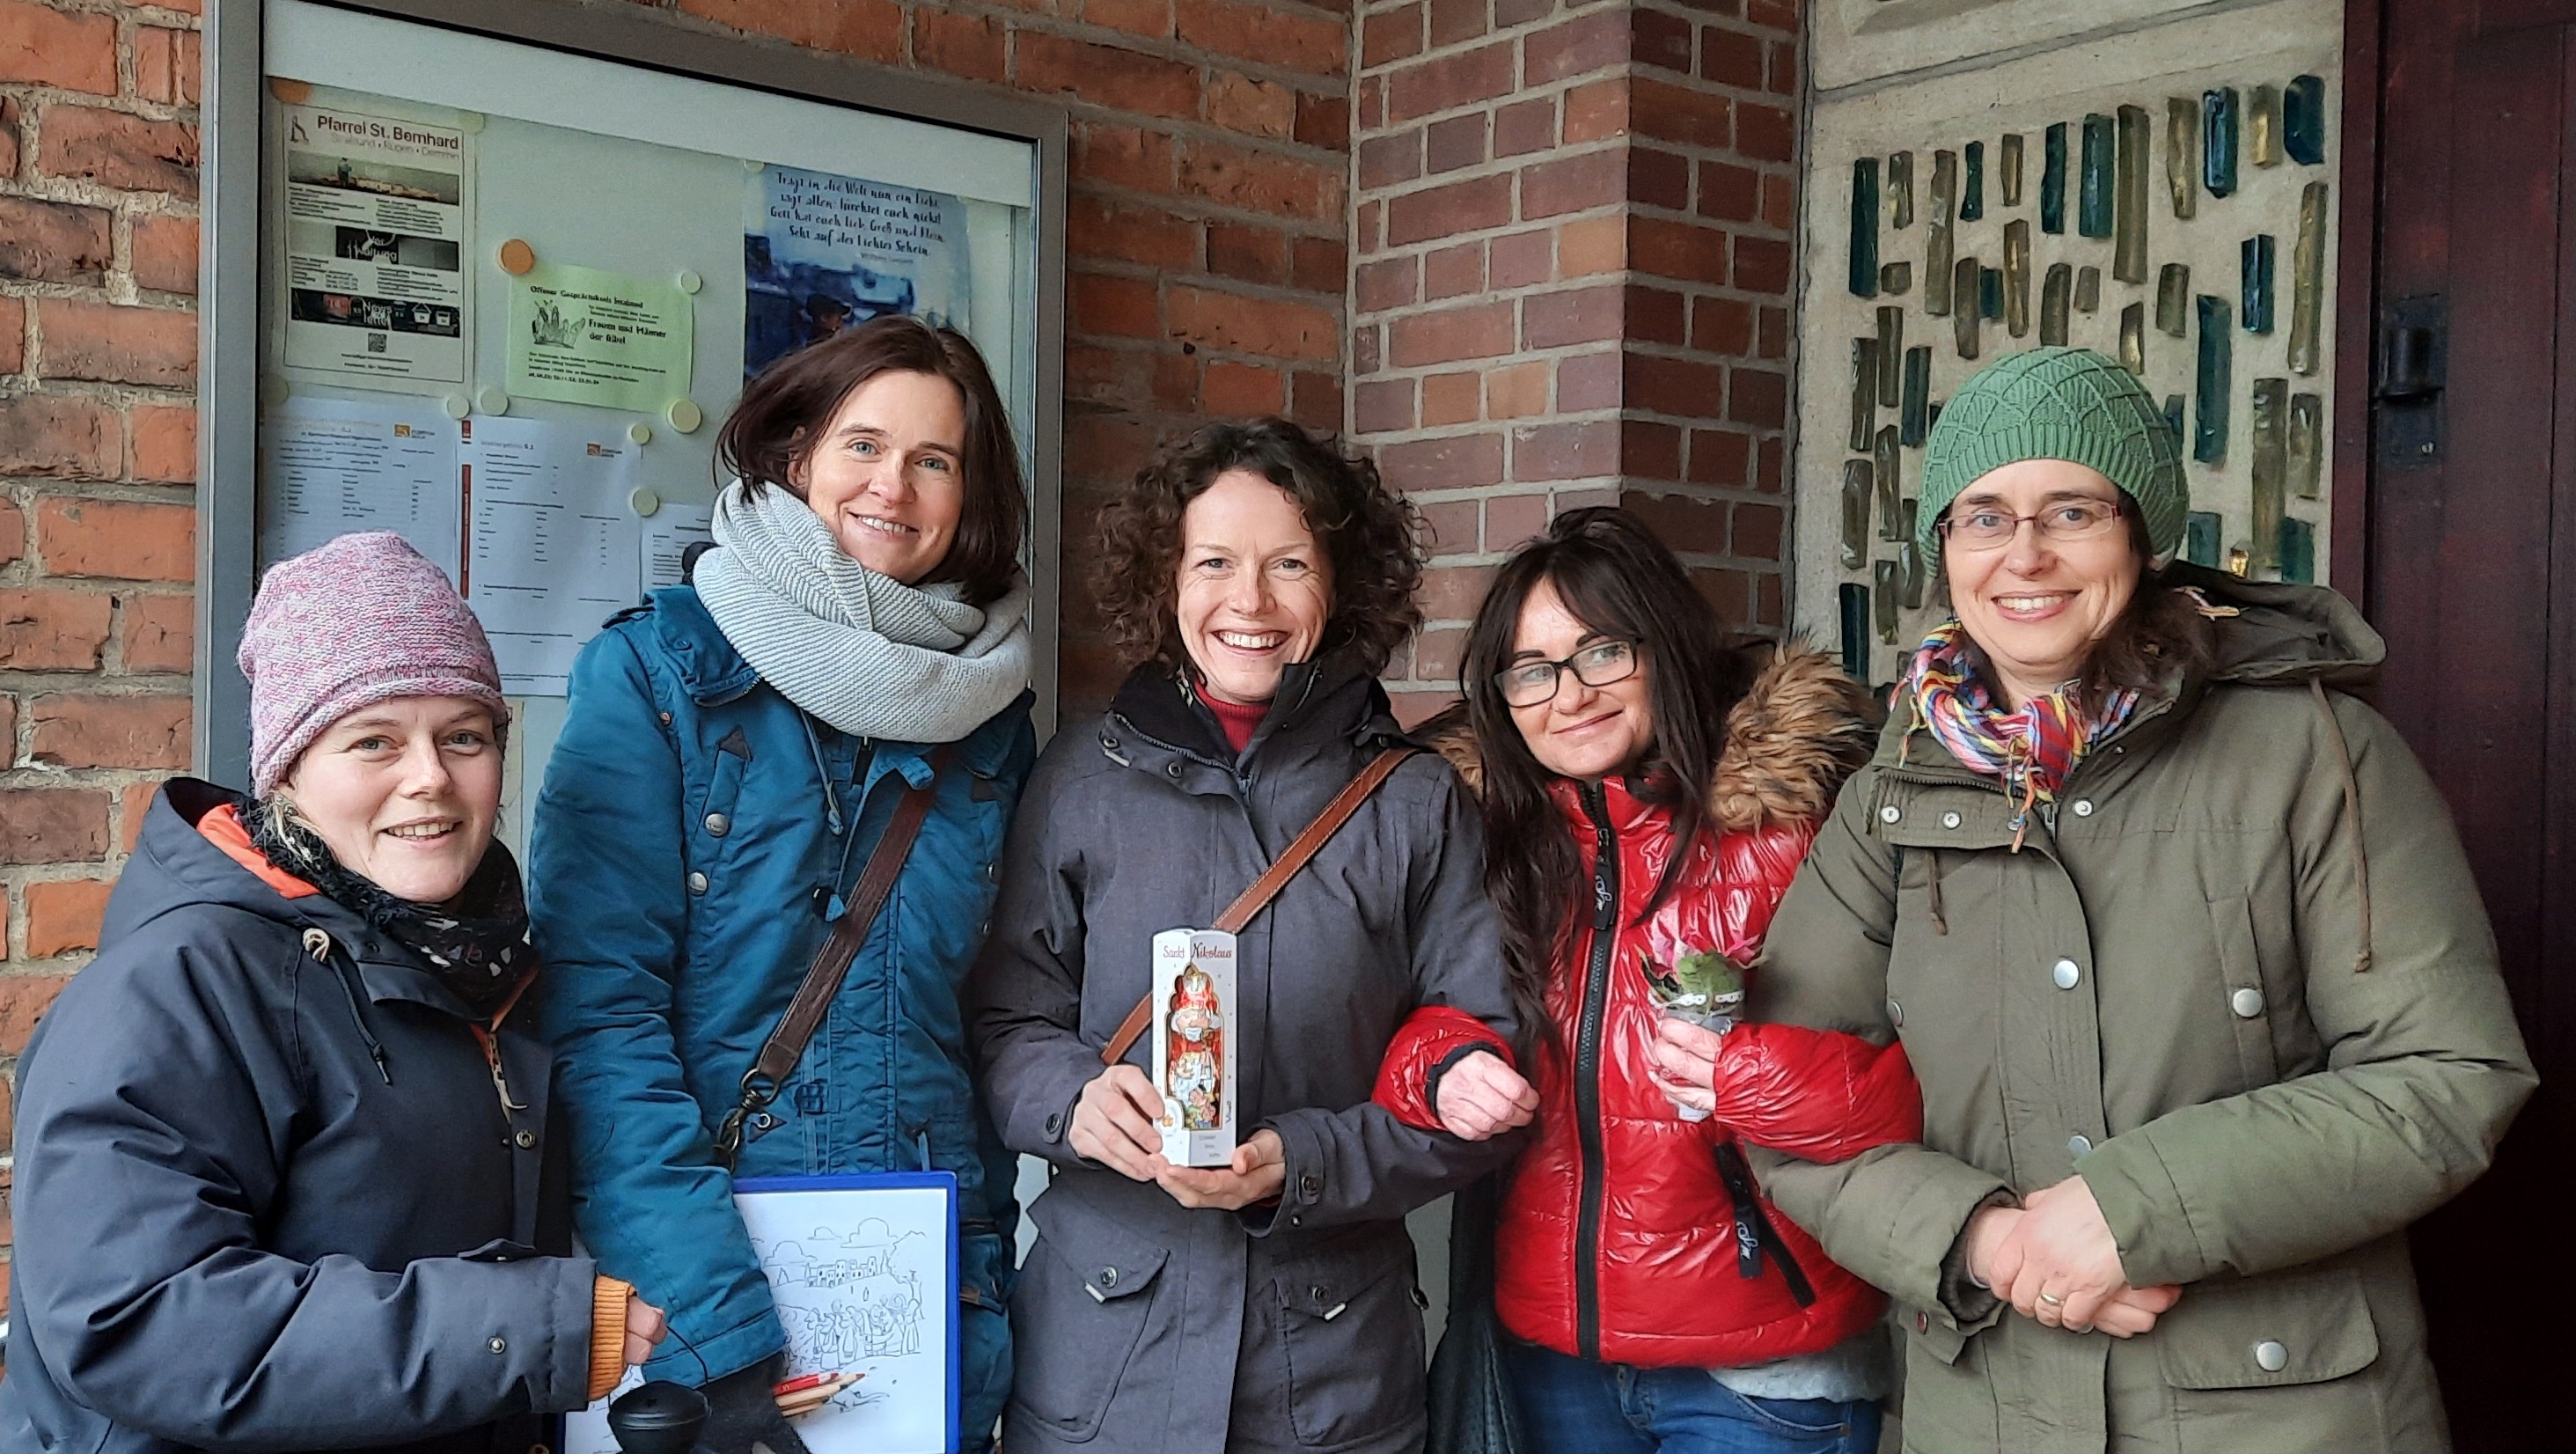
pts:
pixel 660 1417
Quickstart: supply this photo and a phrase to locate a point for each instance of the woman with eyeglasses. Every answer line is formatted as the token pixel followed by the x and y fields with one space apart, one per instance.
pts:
pixel 1648 791
pixel 2184 950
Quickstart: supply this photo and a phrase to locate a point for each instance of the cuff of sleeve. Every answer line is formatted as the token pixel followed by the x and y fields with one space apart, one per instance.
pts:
pixel 1441 1067
pixel 607 1334
pixel 2145 1212
pixel 1302 1182
pixel 1970 1303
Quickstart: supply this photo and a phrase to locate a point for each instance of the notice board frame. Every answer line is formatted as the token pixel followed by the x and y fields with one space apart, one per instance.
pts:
pixel 230 319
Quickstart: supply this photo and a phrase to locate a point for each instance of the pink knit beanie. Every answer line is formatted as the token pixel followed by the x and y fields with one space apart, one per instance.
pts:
pixel 359 621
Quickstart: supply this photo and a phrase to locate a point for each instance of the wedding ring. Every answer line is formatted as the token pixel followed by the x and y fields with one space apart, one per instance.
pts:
pixel 2052 1299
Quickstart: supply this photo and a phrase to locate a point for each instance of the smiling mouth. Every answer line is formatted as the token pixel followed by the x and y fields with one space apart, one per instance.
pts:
pixel 428 832
pixel 2032 603
pixel 1586 725
pixel 874 525
pixel 1253 640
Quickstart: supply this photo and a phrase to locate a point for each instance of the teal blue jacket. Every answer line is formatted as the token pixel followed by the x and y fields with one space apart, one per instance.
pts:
pixel 695 832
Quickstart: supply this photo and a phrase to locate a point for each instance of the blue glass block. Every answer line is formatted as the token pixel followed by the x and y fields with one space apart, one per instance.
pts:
pixel 2052 179
pixel 2256 299
pixel 2298 552
pixel 1853 598
pixel 1914 422
pixel 2200 532
pixel 2218 133
pixel 1972 193
pixel 2093 195
pixel 1990 292
pixel 2303 120
pixel 1864 228
pixel 2211 394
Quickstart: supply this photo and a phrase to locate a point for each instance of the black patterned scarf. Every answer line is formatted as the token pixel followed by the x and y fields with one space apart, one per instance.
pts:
pixel 476 943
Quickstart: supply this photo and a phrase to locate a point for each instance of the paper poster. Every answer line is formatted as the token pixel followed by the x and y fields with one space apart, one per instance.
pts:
pixel 587 336
pixel 1193 1051
pixel 864 1273
pixel 668 534
pixel 551 547
pixel 376 236
pixel 823 252
pixel 335 466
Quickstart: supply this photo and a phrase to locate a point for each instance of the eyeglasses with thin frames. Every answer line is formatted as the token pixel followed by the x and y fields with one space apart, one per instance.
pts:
pixel 1528 683
pixel 2065 520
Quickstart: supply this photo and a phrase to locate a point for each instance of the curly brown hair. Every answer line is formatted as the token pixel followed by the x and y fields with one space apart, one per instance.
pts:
pixel 1371 534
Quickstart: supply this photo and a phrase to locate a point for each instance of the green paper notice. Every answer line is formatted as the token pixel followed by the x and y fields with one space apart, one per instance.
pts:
pixel 586 336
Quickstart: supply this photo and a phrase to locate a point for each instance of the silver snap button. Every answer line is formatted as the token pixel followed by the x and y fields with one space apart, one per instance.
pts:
pixel 2079 1146
pixel 2065 974
pixel 697 883
pixel 2083 807
pixel 1896 1014
pixel 499 1345
pixel 718 825
pixel 525 1141
pixel 2247 1003
pixel 1109 1277
pixel 1890 813
pixel 2270 1356
pixel 1949 820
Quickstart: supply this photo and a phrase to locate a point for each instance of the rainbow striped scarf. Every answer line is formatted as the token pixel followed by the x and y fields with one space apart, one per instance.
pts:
pixel 2031 751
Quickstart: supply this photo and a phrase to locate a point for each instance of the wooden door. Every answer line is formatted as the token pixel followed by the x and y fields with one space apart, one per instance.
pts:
pixel 2469 545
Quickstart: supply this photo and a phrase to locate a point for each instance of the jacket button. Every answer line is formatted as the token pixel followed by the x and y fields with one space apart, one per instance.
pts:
pixel 718 825
pixel 2065 975
pixel 1896 1014
pixel 1172 770
pixel 1890 813
pixel 1923 1322
pixel 499 1345
pixel 2247 1003
pixel 1054 1126
pixel 525 1140
pixel 697 883
pixel 1949 820
pixel 2270 1356
pixel 2083 807
pixel 2079 1147
pixel 1310 1186
pixel 1109 1277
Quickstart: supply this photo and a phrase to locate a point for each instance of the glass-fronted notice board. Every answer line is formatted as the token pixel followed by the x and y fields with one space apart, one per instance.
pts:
pixel 507 291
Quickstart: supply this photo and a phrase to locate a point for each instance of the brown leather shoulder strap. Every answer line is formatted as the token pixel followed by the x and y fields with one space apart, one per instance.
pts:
pixel 795 1029
pixel 1265 888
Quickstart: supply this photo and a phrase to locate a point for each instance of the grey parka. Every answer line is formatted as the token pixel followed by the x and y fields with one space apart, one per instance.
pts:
pixel 2250 995
pixel 1145 1326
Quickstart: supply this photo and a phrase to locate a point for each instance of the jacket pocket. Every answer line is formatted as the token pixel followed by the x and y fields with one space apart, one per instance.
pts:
pixel 2247 1359
pixel 1077 1314
pixel 1350 1332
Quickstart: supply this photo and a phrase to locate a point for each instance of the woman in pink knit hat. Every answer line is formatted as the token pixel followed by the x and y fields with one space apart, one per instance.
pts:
pixel 285 1175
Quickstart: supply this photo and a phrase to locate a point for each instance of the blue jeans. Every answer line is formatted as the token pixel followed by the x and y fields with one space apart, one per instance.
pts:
pixel 1576 1406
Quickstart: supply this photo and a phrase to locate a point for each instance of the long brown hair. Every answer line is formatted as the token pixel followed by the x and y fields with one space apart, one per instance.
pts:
pixel 782 415
pixel 1617 578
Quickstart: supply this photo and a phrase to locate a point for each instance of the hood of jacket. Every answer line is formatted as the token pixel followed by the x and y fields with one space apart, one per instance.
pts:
pixel 2274 632
pixel 1799 730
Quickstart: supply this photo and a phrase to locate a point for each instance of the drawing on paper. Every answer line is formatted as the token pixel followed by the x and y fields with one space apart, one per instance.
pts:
pixel 849 1299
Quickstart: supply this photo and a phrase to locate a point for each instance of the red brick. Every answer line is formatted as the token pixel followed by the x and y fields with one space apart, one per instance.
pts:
pixel 1412 709
pixel 869 29
pixel 1596 111
pixel 1757 397
pixel 135 540
pixel 1107 76
pixel 974 47
pixel 1391 35
pixel 1454 143
pixel 165 253
pixel 1729 591
pixel 1366 235
pixel 1686 523
pixel 1676 250
pixel 1131 232
pixel 1654 315
pixel 134 804
pixel 1576 183
pixel 24 998
pixel 8 741
pixel 1451 399
pixel 1315 399
pixel 1728 191
pixel 1261 326
pixel 1452 271
pixel 52 825
pixel 1452 593
pixel 63 915
pixel 1450 81
pixel 1254 254
pixel 13 335
pixel 156 347
pixel 1762 264
pixel 1385 161
pixel 1124 307
pixel 1777 14
pixel 1522 258
pixel 1566 451
pixel 53 630
pixel 1319 264
pixel 1382 406
pixel 1779 201
pixel 1254 108
pixel 1449 527
pixel 54 242
pixel 44 435
pixel 1510 13
pixel 1370 103
pixel 1658 178
pixel 1587 43
pixel 1721 326
pixel 1650 450
pixel 1591 245
pixel 1730 57
pixel 1235 390
pixel 1461 461
pixel 13 543
pixel 1136 17
pixel 1765 133
pixel 1572 315
pixel 1663 385
pixel 1367 346
pixel 1768 469
pixel 1511 520
pixel 1453 21
pixel 1676 113
pixel 1719 457
pixel 1517 392
pixel 164 444
pixel 1663 41
pixel 1437 654
pixel 1482 330
pixel 1324 121
pixel 1768 607
pixel 1524 127
pixel 1393 283
pixel 1448 211
pixel 160 633
pixel 1756 532
pixel 1775 333
pixel 166 65
pixel 42 46
pixel 1783 79
pixel 1260 182
pixel 1311 44
pixel 1586 381
pixel 8 137
pixel 1123 156
pixel 81 729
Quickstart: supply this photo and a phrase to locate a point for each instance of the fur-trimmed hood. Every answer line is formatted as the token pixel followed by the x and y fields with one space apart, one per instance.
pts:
pixel 1799 730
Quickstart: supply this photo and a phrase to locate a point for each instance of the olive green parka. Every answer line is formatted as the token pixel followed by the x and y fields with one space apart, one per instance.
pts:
pixel 2168 989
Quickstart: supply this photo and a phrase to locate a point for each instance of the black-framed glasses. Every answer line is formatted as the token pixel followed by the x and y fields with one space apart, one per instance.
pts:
pixel 1991 529
pixel 1528 683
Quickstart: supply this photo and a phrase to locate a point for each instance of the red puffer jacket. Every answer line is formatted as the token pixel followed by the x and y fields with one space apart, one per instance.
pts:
pixel 1627 1233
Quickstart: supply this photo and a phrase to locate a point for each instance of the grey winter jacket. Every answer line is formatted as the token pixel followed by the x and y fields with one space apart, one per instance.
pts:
pixel 1142 1325
pixel 267 1194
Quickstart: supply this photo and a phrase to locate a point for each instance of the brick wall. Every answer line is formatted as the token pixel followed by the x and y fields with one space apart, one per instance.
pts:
pixel 1573 234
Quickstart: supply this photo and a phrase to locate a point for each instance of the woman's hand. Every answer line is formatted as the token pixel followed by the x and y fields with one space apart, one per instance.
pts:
pixel 2059 1263
pixel 1113 1124
pixel 1684 1059
pixel 644 1328
pixel 1260 1169
pixel 1481 1097
pixel 1998 1251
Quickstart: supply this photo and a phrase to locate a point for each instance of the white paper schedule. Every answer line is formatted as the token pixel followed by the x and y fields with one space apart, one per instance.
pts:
pixel 340 465
pixel 552 551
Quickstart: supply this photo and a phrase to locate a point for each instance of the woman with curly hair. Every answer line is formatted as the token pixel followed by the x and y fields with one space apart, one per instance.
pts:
pixel 1260 577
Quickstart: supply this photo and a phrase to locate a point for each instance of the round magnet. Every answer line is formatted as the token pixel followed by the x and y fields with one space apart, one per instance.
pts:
pixel 689 281
pixel 517 258
pixel 644 502
pixel 492 401
pixel 293 93
pixel 685 416
pixel 751 165
pixel 457 406
pixel 273 391
pixel 640 433
pixel 469 122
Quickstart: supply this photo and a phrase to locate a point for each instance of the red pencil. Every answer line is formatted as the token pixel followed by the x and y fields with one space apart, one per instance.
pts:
pixel 802 1381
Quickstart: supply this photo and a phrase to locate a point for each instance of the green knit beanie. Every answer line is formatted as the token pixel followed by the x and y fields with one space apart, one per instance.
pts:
pixel 2057 403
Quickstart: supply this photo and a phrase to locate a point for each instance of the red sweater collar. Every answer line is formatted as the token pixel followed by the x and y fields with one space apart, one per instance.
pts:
pixel 1239 722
